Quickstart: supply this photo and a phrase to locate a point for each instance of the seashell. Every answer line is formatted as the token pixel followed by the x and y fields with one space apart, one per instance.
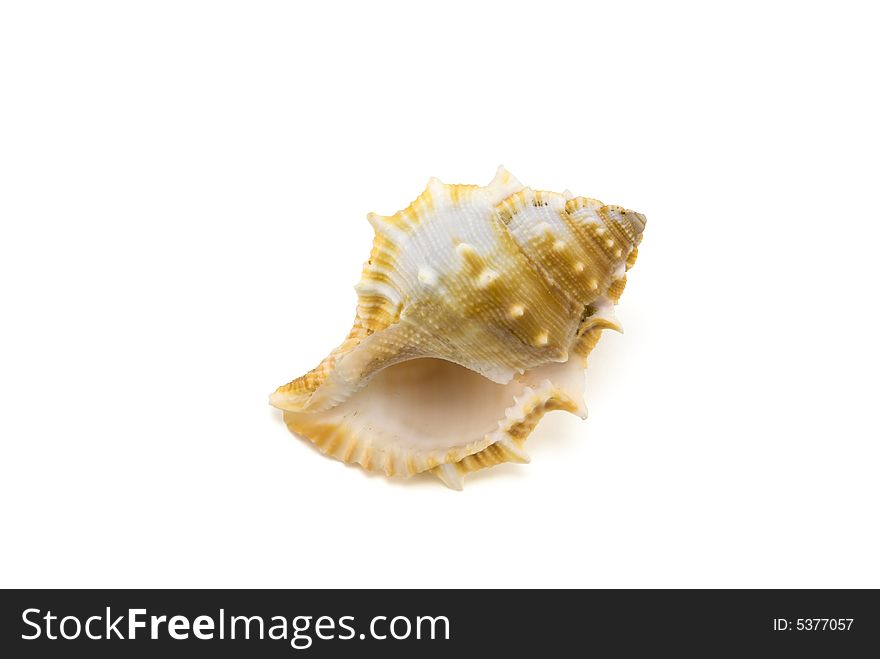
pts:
pixel 476 312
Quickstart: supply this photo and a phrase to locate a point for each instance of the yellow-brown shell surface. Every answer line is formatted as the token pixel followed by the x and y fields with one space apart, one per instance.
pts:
pixel 476 312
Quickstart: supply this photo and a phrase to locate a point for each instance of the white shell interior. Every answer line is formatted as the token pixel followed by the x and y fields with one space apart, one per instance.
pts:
pixel 418 410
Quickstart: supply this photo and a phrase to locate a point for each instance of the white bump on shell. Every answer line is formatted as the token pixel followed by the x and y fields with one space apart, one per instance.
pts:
pixel 486 277
pixel 427 276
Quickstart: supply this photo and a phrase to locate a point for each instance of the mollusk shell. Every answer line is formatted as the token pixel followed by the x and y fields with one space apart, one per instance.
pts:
pixel 476 312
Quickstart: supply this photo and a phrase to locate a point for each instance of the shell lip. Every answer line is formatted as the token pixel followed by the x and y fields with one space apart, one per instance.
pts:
pixel 284 401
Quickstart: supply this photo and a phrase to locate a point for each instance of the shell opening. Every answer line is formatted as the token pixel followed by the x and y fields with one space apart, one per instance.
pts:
pixel 421 413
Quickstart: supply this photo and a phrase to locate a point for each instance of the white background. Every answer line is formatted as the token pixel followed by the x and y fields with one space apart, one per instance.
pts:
pixel 182 195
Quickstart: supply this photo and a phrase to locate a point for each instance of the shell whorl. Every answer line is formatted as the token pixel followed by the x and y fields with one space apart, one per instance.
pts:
pixel 521 265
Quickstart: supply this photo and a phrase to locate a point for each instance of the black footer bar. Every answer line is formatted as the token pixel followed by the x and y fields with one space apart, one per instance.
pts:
pixel 424 623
